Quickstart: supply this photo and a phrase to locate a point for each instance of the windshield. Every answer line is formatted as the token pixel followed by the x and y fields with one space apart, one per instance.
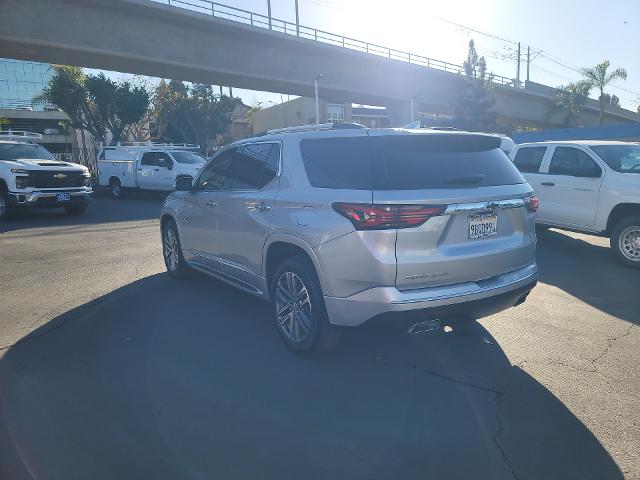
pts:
pixel 188 157
pixel 23 151
pixel 622 158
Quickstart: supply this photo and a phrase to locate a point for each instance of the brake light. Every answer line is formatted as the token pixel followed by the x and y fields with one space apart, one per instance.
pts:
pixel 366 216
pixel 533 202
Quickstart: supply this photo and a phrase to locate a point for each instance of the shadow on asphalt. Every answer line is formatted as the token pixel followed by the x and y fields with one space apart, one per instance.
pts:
pixel 166 379
pixel 590 273
pixel 102 209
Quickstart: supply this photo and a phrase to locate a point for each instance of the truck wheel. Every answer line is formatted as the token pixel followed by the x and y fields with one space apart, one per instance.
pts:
pixel 625 241
pixel 117 191
pixel 5 208
pixel 299 312
pixel 75 209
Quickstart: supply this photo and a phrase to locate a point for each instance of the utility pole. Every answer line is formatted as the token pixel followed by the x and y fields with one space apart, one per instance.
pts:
pixel 269 13
pixel 518 68
pixel 528 61
pixel 315 84
pixel 297 20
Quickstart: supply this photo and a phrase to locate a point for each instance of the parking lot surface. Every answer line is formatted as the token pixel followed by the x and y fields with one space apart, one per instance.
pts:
pixel 111 369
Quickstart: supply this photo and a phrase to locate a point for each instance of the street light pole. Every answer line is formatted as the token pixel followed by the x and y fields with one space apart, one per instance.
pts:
pixel 269 13
pixel 297 20
pixel 315 84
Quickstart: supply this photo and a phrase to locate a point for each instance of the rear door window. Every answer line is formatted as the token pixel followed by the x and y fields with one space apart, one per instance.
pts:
pixel 149 158
pixel 529 159
pixel 255 165
pixel 573 162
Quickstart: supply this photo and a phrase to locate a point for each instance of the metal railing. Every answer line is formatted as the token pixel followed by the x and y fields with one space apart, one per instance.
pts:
pixel 289 28
pixel 27 105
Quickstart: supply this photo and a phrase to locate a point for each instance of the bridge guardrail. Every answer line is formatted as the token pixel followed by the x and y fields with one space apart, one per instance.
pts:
pixel 289 28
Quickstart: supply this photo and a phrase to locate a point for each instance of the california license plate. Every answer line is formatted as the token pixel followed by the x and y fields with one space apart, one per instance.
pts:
pixel 482 226
pixel 63 197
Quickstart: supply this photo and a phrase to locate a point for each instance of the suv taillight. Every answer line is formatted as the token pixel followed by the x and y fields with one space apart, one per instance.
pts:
pixel 533 202
pixel 365 216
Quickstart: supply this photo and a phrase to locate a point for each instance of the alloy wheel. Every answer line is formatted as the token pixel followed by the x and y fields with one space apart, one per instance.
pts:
pixel 293 307
pixel 629 243
pixel 171 249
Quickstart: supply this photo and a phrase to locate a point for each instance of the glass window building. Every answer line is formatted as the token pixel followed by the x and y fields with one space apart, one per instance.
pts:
pixel 20 81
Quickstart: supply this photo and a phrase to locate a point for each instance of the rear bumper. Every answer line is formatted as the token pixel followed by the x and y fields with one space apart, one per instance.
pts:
pixel 467 300
pixel 48 198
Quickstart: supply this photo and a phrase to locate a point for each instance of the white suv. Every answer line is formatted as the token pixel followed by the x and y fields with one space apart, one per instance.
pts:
pixel 588 186
pixel 342 226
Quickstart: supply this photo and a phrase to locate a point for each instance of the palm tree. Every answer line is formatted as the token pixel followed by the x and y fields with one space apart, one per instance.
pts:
pixel 598 77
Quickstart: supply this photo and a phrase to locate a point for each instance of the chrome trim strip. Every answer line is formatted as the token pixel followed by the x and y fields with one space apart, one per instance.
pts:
pixel 492 205
pixel 227 263
pixel 226 278
pixel 34 196
pixel 474 292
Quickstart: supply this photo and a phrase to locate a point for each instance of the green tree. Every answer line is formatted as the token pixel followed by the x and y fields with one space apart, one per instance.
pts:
pixel 598 77
pixel 474 106
pixel 569 101
pixel 190 114
pixel 612 100
pixel 96 103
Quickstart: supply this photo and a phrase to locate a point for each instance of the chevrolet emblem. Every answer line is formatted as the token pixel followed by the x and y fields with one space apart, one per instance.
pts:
pixel 60 176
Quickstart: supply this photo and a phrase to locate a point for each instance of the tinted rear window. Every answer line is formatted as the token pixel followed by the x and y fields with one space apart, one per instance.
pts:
pixel 407 162
pixel 529 159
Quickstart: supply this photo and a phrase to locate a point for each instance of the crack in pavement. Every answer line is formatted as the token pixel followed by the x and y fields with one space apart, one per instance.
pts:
pixel 610 342
pixel 496 394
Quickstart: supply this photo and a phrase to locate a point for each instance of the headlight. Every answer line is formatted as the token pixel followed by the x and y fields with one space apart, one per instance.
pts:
pixel 19 170
pixel 21 182
pixel 86 181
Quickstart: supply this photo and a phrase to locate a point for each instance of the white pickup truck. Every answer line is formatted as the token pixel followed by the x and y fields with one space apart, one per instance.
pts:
pixel 588 186
pixel 30 177
pixel 146 166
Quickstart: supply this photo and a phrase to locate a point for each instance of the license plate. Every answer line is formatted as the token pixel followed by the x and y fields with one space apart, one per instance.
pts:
pixel 482 226
pixel 63 197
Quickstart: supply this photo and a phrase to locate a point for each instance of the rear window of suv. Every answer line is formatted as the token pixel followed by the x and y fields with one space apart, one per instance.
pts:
pixel 403 162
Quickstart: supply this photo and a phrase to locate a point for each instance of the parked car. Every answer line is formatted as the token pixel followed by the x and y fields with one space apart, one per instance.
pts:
pixel 346 226
pixel 30 177
pixel 587 186
pixel 146 166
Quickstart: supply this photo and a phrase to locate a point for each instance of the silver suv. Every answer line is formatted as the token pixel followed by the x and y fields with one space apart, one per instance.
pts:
pixel 345 226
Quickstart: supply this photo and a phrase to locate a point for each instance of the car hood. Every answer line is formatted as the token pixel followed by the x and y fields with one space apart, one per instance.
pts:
pixel 44 165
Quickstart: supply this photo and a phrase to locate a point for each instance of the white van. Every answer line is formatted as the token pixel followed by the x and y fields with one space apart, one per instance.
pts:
pixel 146 166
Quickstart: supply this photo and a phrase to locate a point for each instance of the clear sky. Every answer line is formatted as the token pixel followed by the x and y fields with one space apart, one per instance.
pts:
pixel 563 34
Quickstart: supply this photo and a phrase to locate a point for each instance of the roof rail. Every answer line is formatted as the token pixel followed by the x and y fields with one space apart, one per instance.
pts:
pixel 179 146
pixel 19 134
pixel 315 127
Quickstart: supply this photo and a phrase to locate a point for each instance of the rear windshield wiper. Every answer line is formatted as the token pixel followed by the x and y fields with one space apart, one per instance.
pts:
pixel 472 179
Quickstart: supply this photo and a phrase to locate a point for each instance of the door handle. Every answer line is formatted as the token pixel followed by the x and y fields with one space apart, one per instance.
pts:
pixel 548 184
pixel 156 169
pixel 139 169
pixel 212 204
pixel 263 207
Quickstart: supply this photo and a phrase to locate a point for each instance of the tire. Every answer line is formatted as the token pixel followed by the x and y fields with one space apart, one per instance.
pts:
pixel 172 251
pixel 625 241
pixel 116 188
pixel 315 334
pixel 75 209
pixel 5 207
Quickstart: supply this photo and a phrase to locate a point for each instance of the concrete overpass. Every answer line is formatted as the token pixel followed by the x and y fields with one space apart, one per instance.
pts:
pixel 149 38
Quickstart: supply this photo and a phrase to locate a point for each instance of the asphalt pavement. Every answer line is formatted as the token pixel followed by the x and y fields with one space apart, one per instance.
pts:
pixel 111 369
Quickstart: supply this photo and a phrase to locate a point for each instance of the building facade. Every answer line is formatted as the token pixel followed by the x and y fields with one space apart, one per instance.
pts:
pixel 20 83
pixel 302 111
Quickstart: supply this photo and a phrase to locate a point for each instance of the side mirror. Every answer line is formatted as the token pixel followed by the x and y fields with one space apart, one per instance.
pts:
pixel 184 183
pixel 170 166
